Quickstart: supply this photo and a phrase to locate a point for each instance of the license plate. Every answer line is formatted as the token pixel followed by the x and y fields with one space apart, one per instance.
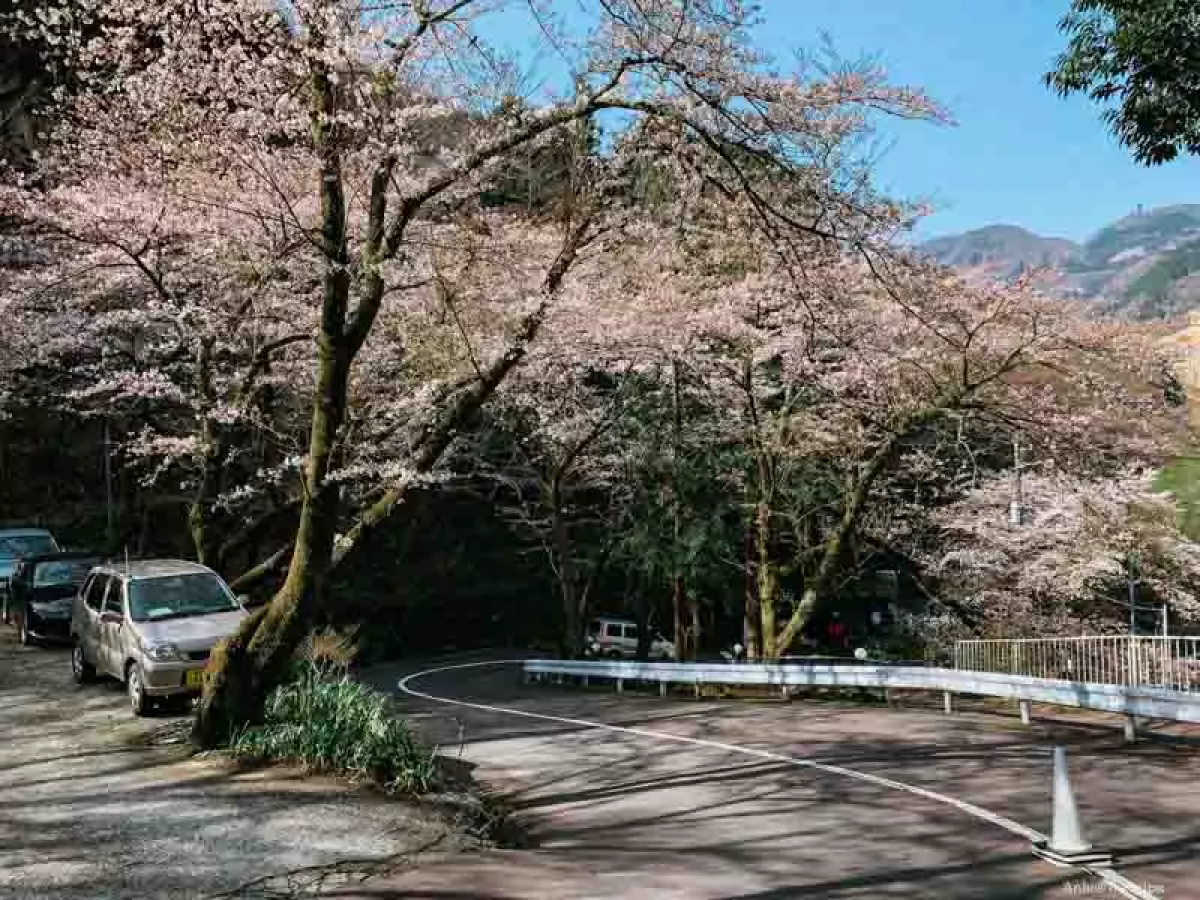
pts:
pixel 194 678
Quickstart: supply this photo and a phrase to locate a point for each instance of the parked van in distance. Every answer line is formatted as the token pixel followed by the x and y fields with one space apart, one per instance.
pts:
pixel 617 638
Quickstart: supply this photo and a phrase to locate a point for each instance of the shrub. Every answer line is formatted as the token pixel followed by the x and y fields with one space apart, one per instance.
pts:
pixel 330 723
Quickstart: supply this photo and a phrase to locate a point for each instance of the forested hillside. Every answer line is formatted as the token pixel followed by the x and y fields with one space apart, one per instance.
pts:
pixel 1144 265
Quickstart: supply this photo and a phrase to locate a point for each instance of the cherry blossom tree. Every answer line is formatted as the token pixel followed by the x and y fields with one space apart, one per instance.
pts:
pixel 1063 568
pixel 362 127
pixel 860 383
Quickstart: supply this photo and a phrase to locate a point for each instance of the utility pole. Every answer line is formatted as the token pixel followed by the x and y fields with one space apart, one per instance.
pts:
pixel 109 528
pixel 1016 505
pixel 1131 576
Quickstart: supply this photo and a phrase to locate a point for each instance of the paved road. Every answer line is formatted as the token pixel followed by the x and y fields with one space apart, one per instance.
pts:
pixel 618 815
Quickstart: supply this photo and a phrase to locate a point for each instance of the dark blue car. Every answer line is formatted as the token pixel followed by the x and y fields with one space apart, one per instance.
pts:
pixel 42 590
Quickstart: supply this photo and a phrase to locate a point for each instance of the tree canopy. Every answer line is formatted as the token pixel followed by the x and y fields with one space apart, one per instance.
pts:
pixel 1141 60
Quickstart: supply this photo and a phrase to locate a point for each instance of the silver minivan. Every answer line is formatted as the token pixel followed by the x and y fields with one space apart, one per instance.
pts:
pixel 616 637
pixel 151 624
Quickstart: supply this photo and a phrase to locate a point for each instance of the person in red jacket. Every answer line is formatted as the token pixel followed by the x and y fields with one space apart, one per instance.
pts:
pixel 839 635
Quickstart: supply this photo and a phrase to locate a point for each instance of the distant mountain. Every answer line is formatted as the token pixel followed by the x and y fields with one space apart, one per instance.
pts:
pixel 1006 248
pixel 1146 264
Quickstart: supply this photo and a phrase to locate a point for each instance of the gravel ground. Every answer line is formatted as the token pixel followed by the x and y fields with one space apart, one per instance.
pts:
pixel 95 804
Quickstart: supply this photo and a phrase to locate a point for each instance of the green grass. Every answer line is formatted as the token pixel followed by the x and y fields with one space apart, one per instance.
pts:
pixel 330 723
pixel 1181 477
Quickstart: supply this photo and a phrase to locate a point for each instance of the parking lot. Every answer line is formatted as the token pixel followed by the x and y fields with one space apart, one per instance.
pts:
pixel 95 803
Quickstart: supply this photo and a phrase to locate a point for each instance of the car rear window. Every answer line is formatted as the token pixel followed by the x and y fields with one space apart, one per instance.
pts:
pixel 17 545
pixel 62 572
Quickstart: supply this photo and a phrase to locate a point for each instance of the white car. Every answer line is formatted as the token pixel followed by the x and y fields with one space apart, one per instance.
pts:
pixel 616 638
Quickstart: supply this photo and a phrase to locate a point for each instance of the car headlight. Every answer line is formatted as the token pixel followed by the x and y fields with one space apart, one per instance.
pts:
pixel 162 652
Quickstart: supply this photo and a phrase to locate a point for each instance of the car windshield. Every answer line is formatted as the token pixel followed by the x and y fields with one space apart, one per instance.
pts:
pixel 171 596
pixel 14 546
pixel 62 572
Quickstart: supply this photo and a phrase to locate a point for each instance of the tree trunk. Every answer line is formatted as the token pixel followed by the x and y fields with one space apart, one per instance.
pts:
pixel 751 617
pixel 200 509
pixel 852 508
pixel 682 644
pixel 766 581
pixel 255 660
pixel 572 638
pixel 693 604
pixel 684 637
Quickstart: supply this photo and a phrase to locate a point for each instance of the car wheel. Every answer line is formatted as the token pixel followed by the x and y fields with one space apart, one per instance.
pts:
pixel 135 685
pixel 83 670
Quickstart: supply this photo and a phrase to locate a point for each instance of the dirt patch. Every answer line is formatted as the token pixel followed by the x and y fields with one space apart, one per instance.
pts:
pixel 96 803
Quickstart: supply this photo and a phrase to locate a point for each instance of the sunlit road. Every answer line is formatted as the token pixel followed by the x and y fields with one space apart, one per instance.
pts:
pixel 619 815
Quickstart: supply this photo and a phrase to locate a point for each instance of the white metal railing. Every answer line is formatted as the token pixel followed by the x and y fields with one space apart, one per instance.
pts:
pixel 1151 702
pixel 1154 661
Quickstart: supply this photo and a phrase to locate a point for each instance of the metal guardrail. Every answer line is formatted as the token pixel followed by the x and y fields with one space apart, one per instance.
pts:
pixel 1153 661
pixel 1150 702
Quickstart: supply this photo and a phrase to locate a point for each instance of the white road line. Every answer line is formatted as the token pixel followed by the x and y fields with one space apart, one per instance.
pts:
pixel 1119 883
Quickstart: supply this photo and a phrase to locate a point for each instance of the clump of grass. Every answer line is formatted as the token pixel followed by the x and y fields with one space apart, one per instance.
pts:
pixel 328 722
pixel 331 647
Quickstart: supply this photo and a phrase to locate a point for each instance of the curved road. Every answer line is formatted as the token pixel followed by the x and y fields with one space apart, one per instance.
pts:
pixel 690 799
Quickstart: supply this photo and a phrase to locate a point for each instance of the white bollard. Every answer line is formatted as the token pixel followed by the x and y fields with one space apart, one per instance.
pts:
pixel 620 685
pixel 947 702
pixel 1131 729
pixel 585 681
pixel 1026 713
pixel 662 689
pixel 1067 845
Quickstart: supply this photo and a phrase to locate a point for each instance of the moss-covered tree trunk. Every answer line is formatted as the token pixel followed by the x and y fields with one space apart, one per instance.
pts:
pixel 766 580
pixel 255 660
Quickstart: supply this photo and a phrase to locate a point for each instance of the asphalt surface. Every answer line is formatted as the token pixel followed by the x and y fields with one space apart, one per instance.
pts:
pixel 617 815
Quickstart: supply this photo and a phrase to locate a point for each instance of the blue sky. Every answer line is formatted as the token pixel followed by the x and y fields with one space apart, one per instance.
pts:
pixel 1018 154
